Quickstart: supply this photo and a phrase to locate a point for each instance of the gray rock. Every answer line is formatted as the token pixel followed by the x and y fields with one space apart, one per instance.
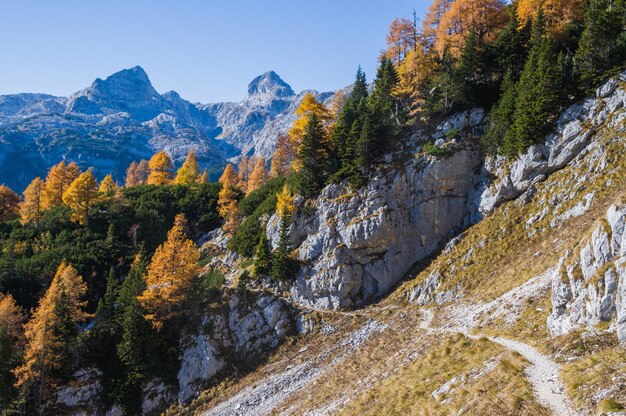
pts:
pixel 200 362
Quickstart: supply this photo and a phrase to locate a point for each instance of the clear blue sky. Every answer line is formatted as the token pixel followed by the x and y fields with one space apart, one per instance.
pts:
pixel 205 50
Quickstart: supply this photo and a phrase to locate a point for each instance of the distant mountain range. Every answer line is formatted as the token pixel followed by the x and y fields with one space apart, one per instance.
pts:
pixel 123 118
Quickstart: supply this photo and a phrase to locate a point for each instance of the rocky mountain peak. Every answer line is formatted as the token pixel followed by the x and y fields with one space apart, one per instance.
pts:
pixel 269 84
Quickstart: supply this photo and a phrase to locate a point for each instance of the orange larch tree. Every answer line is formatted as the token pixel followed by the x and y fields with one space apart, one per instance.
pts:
pixel 283 157
pixel 58 180
pixel 80 196
pixel 401 39
pixel 52 331
pixel 170 275
pixel 32 206
pixel 160 169
pixel 557 14
pixel 227 198
pixel 189 172
pixel 9 204
pixel 137 173
pixel 258 176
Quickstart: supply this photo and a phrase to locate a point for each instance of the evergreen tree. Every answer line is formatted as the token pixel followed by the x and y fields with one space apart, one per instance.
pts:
pixel 510 48
pixel 105 328
pixel 11 344
pixel 281 263
pixel 312 157
pixel 501 117
pixel 602 44
pixel 263 255
pixel 385 107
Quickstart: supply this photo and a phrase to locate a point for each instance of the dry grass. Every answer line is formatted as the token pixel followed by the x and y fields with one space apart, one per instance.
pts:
pixel 503 390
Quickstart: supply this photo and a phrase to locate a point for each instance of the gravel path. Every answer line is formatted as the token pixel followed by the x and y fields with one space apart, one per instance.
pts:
pixel 542 373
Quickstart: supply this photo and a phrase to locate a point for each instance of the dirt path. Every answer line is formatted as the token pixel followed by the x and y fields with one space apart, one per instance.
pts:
pixel 542 373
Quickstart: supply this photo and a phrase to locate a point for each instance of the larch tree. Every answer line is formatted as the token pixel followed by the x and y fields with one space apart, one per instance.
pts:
pixel 80 197
pixel 107 187
pixel 311 158
pixel 482 18
pixel 283 157
pixel 160 169
pixel 9 204
pixel 227 198
pixel 11 344
pixel 401 39
pixel 432 21
pixel 244 169
pixel 58 180
pixel 33 204
pixel 204 177
pixel 137 173
pixel 307 108
pixel 170 276
pixel 557 14
pixel 51 333
pixel 258 176
pixel 285 202
pixel 189 172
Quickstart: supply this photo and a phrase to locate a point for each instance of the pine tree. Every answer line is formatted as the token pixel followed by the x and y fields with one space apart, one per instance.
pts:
pixel 501 118
pixel 32 206
pixel 227 198
pixel 80 197
pixel 135 339
pixel 170 275
pixel 9 204
pixel 311 156
pixel 59 178
pixel 602 44
pixel 189 172
pixel 104 328
pixel 281 261
pixel 263 255
pixel 511 45
pixel 52 331
pixel 160 169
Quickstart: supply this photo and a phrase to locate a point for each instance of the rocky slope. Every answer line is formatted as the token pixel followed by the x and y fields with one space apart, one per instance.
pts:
pixel 123 118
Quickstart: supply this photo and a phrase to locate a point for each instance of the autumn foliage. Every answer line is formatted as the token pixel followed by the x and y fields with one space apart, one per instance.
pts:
pixel 160 169
pixel 227 200
pixel 9 204
pixel 33 205
pixel 81 195
pixel 170 275
pixel 58 181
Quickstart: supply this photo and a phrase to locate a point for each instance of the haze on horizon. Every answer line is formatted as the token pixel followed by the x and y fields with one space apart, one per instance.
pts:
pixel 206 51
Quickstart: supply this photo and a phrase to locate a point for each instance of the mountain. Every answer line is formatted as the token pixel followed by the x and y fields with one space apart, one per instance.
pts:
pixel 123 118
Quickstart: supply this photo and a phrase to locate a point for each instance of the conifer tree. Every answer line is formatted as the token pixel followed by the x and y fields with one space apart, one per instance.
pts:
pixel 501 118
pixel 189 172
pixel 311 158
pixel 32 206
pixel 602 44
pixel 281 262
pixel 160 169
pixel 9 204
pixel 258 176
pixel 204 177
pixel 227 198
pixel 137 173
pixel 105 328
pixel 11 344
pixel 263 255
pixel 511 45
pixel 81 195
pixel 59 179
pixel 107 187
pixel 170 275
pixel 51 332
pixel 283 157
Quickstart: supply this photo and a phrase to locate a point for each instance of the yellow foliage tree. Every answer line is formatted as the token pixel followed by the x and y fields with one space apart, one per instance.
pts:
pixel 107 187
pixel 189 172
pixel 283 157
pixel 204 178
pixel 227 198
pixel 11 317
pixel 432 22
pixel 307 108
pixel 160 169
pixel 80 196
pixel 413 74
pixel 401 39
pixel 51 330
pixel 285 202
pixel 557 13
pixel 9 204
pixel 137 173
pixel 32 207
pixel 484 18
pixel 258 176
pixel 170 275
pixel 58 180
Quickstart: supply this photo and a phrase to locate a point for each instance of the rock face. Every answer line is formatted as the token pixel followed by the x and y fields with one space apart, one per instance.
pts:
pixel 123 118
pixel 591 286
pixel 573 132
pixel 358 244
pixel 252 323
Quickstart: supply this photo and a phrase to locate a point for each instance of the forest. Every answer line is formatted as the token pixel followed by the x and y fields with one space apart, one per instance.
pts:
pixel 109 275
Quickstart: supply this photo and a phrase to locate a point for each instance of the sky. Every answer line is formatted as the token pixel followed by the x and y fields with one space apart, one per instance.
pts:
pixel 207 51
